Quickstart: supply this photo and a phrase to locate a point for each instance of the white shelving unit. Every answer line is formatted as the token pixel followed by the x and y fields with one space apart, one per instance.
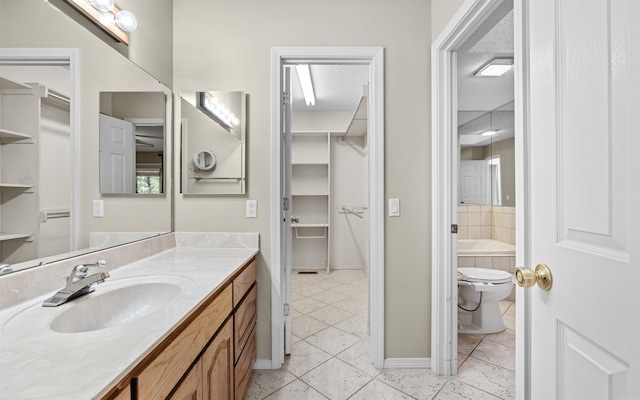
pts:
pixel 310 190
pixel 19 129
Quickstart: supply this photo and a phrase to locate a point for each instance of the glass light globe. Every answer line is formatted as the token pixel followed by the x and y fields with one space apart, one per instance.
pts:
pixel 126 21
pixel 103 5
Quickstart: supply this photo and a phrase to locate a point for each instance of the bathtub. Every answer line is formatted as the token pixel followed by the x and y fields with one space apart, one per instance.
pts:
pixel 485 247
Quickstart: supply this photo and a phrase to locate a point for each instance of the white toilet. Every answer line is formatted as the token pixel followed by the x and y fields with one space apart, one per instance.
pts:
pixel 479 291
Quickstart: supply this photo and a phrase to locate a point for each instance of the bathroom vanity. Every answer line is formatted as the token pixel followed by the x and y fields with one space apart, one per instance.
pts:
pixel 189 329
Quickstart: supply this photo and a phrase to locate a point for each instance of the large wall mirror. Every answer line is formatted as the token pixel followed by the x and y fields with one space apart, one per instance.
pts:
pixel 132 139
pixel 485 112
pixel 213 142
pixel 487 157
pixel 50 161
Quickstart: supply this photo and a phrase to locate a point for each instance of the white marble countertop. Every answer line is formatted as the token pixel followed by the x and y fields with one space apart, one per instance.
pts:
pixel 38 363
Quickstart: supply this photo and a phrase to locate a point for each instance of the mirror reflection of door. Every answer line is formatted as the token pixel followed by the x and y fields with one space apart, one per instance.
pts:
pixel 117 155
pixel 132 142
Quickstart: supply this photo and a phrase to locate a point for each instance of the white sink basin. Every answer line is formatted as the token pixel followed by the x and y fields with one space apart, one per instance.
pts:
pixel 114 303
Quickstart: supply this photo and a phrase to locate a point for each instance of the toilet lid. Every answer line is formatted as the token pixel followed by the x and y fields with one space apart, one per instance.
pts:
pixel 483 275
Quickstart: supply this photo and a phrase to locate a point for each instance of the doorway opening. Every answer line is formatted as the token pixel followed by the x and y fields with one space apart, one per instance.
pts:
pixel 329 205
pixel 470 114
pixel 316 205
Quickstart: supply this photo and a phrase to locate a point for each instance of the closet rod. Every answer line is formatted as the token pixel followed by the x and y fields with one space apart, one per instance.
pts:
pixel 51 214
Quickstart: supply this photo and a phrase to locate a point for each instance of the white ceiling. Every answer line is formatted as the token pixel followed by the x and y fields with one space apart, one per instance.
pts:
pixel 336 87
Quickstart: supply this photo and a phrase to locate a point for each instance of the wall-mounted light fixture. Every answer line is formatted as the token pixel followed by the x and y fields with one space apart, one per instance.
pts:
pixel 218 111
pixel 304 75
pixel 495 67
pixel 104 13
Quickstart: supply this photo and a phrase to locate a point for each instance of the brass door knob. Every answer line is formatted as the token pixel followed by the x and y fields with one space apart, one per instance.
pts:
pixel 527 277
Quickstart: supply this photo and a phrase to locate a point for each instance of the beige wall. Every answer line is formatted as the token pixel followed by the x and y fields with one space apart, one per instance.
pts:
pixel 441 13
pixel 239 59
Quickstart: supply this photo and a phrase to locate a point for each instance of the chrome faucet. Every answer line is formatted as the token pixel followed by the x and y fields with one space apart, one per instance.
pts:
pixel 78 284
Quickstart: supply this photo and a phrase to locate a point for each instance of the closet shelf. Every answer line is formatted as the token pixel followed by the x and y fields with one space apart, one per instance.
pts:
pixel 19 186
pixel 7 136
pixel 12 236
pixel 326 225
pixel 358 124
pixel 7 84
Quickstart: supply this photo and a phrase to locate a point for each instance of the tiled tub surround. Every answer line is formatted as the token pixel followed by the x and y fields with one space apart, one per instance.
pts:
pixel 487 222
pixel 39 363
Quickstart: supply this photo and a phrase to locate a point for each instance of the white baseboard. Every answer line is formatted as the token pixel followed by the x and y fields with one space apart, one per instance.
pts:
pixel 262 364
pixel 407 363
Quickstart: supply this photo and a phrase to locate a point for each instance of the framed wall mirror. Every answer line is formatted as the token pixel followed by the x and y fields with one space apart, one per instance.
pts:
pixel 132 142
pixel 213 133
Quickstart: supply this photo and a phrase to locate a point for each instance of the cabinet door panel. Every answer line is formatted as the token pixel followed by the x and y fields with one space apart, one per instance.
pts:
pixel 217 363
pixel 191 386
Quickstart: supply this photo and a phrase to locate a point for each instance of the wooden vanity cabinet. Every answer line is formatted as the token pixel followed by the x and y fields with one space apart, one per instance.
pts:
pixel 210 356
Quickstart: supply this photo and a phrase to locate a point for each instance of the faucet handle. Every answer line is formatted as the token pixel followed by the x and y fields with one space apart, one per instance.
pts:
pixel 80 271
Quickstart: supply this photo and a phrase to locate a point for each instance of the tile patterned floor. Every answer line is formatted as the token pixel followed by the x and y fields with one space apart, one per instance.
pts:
pixel 330 356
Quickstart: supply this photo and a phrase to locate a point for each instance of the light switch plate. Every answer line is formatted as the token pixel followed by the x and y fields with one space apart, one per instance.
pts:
pixel 394 207
pixel 252 208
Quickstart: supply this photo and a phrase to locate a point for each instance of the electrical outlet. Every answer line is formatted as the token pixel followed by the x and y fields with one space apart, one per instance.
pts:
pixel 98 208
pixel 252 208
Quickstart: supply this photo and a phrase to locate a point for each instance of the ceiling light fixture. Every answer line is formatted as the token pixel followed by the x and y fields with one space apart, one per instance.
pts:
pixel 490 132
pixel 104 13
pixel 495 67
pixel 304 75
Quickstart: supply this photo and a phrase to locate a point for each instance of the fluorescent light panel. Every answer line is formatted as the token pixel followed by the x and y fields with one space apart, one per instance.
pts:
pixel 495 67
pixel 304 75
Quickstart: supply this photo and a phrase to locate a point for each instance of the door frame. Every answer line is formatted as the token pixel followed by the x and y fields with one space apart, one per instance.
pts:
pixel 444 250
pixel 374 56
pixel 70 57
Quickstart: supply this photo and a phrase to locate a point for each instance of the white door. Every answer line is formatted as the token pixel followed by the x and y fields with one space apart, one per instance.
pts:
pixel 286 241
pixel 474 182
pixel 117 156
pixel 584 176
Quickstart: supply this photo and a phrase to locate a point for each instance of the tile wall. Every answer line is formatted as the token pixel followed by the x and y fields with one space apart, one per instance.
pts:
pixel 487 222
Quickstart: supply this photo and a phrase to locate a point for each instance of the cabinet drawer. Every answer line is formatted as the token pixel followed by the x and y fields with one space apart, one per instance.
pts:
pixel 158 379
pixel 243 282
pixel 244 319
pixel 245 366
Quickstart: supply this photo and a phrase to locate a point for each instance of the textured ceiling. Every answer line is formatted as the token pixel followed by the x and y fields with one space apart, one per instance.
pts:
pixel 336 87
pixel 492 39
